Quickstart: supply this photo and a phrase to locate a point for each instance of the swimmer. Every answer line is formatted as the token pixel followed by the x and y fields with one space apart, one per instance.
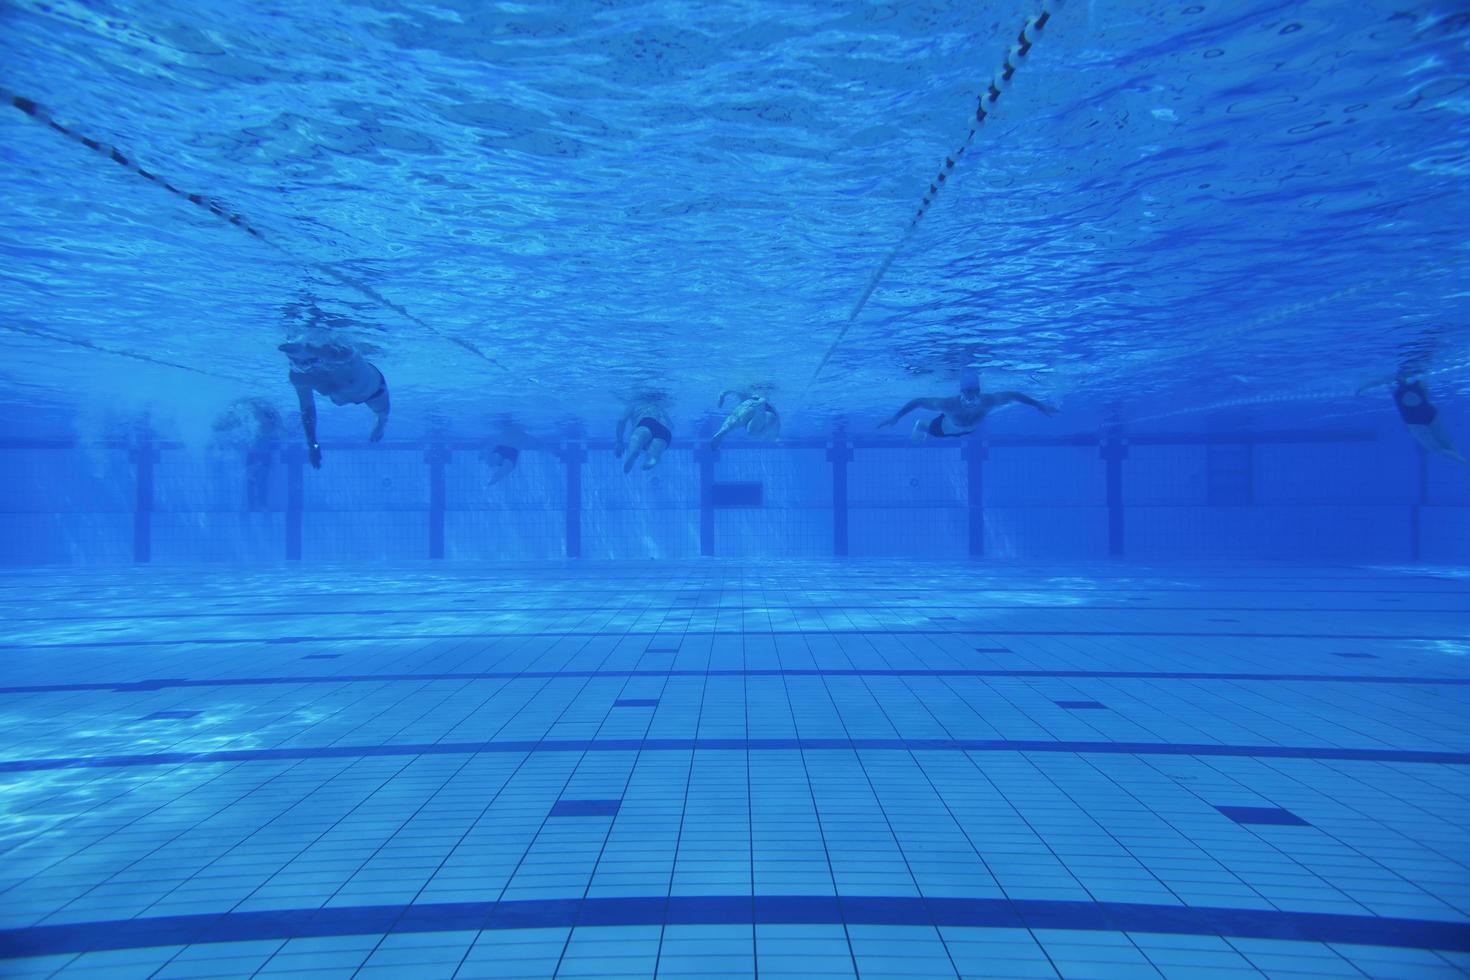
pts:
pixel 755 413
pixel 501 460
pixel 651 434
pixel 340 373
pixel 1420 416
pixel 252 424
pixel 502 451
pixel 961 415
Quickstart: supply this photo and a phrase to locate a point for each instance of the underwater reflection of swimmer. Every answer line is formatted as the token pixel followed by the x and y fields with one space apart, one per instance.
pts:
pixel 961 414
pixel 339 372
pixel 754 412
pixel 1420 416
pixel 254 425
pixel 651 434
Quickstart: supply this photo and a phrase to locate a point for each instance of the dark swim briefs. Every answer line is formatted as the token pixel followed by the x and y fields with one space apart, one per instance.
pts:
pixel 1420 414
pixel 508 453
pixel 656 429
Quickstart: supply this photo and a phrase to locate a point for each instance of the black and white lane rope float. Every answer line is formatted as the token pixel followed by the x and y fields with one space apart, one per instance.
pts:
pixel 985 101
pixel 213 206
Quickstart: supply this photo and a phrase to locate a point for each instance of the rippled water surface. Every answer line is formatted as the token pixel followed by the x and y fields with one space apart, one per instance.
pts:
pixel 541 208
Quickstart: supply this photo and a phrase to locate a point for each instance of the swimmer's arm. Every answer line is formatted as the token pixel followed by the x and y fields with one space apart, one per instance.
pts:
pixel 619 444
pixel 380 406
pixel 934 404
pixel 1379 383
pixel 307 401
pixel 1005 397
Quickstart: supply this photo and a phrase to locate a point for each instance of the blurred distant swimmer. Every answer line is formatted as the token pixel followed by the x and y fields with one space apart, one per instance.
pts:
pixel 501 460
pixel 503 452
pixel 248 423
pixel 961 414
pixel 252 424
pixel 1420 416
pixel 754 412
pixel 651 434
pixel 340 373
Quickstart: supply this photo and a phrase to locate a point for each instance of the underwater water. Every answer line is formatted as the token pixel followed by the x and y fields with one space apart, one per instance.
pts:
pixel 734 489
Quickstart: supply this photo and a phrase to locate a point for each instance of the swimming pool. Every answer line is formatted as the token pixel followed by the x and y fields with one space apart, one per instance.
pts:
pixel 1079 591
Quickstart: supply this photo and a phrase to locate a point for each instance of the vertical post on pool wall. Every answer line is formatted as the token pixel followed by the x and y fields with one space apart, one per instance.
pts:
pixel 572 456
pixel 706 460
pixel 437 455
pixel 295 458
pixel 1421 498
pixel 974 454
pixel 839 453
pixel 143 456
pixel 1114 451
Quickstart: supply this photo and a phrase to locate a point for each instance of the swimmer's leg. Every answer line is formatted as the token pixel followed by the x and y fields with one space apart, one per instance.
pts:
pixel 637 442
pixel 1434 439
pixel 719 437
pixel 655 453
pixel 1440 441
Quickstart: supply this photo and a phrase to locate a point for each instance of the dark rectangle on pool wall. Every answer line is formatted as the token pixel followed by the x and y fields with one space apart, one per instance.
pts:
pixel 169 716
pixel 742 494
pixel 636 703
pixel 1092 705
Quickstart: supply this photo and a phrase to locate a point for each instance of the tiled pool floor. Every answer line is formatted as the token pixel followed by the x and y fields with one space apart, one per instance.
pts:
pixel 721 768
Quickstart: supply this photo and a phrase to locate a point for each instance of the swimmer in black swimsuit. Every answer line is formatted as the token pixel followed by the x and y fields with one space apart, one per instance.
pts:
pixel 502 451
pixel 501 460
pixel 961 414
pixel 339 372
pixel 1420 416
pixel 651 434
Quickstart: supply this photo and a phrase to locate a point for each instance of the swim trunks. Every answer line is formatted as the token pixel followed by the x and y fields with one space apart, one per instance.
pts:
pixel 656 429
pixel 1420 414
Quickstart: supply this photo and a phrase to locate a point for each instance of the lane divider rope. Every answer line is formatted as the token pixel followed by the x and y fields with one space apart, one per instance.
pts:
pixel 999 81
pixel 36 112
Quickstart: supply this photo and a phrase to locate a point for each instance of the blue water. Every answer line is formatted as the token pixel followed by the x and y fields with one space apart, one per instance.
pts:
pixel 1168 682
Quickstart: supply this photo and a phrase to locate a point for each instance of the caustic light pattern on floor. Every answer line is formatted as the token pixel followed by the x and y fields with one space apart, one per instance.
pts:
pixel 706 768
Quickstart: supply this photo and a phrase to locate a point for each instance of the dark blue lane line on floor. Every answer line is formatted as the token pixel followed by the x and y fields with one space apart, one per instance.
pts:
pixel 180 930
pixel 1151 675
pixel 1325 753
pixel 684 634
